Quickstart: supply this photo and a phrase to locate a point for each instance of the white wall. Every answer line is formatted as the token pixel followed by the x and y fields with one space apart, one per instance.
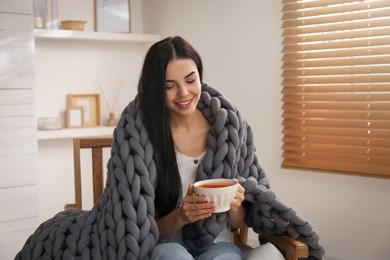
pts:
pixel 18 146
pixel 240 42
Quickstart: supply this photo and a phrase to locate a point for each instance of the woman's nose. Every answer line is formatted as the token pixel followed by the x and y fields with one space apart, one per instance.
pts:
pixel 183 91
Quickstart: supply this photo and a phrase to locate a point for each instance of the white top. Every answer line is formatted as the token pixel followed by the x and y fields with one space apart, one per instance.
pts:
pixel 187 168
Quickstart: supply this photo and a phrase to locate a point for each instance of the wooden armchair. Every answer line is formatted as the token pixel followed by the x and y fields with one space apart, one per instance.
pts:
pixel 291 248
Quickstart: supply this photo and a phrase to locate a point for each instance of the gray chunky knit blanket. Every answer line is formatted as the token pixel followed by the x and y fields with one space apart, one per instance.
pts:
pixel 121 225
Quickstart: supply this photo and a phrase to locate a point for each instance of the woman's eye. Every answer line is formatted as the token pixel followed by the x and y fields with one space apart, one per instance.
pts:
pixel 169 86
pixel 190 81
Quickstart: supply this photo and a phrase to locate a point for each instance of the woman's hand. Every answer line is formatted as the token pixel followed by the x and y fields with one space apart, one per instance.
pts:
pixel 192 209
pixel 195 207
pixel 237 210
pixel 238 199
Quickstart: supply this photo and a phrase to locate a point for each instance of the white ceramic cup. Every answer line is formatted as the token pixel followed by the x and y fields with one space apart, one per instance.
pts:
pixel 220 191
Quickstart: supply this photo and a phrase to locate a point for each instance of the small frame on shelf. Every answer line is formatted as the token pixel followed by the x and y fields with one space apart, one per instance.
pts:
pixel 74 117
pixel 112 15
pixel 90 104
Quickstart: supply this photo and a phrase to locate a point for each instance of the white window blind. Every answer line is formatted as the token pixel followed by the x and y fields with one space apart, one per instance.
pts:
pixel 336 86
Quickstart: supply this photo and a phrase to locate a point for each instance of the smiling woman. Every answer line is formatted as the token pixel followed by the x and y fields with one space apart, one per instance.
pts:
pixel 149 209
pixel 183 87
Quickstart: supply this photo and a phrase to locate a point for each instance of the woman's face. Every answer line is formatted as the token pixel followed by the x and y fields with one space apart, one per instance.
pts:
pixel 183 87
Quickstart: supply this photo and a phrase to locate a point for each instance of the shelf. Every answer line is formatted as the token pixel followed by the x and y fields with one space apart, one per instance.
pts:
pixel 75 132
pixel 95 36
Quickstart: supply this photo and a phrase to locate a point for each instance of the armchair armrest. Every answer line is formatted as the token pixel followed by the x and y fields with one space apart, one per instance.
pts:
pixel 292 248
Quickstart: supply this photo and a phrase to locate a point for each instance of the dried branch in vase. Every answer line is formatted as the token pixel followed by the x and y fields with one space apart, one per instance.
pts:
pixel 112 121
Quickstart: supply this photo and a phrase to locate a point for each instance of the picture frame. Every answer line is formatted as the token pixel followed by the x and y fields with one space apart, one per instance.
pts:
pixel 112 16
pixel 74 117
pixel 90 104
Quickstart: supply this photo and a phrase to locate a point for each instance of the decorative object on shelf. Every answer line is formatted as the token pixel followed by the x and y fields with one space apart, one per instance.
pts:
pixel 74 117
pixel 38 21
pixel 90 104
pixel 49 123
pixel 40 10
pixel 112 15
pixel 75 25
pixel 112 121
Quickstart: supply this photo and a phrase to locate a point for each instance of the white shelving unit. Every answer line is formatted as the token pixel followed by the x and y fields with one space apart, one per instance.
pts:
pixel 67 62
pixel 75 132
pixel 95 36
pixel 104 37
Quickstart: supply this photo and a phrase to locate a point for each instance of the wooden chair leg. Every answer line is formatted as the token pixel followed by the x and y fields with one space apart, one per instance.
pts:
pixel 97 172
pixel 240 236
pixel 77 173
pixel 77 176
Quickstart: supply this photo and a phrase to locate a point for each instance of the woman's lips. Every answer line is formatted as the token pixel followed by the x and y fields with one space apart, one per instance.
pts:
pixel 184 104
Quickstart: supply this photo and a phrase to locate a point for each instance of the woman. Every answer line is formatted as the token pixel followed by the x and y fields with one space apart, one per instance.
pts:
pixel 169 90
pixel 177 131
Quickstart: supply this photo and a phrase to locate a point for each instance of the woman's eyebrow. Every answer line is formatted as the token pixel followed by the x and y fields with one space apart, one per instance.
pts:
pixel 193 72
pixel 190 74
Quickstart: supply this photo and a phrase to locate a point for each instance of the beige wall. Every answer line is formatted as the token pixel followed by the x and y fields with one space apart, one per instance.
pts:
pixel 240 42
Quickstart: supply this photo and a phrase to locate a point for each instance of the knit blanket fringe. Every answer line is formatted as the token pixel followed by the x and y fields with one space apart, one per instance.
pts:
pixel 122 225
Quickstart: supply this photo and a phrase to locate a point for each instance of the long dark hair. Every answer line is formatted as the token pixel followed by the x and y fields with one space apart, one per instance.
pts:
pixel 151 91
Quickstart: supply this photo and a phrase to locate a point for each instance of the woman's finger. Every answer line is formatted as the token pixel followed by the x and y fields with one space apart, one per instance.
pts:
pixel 196 207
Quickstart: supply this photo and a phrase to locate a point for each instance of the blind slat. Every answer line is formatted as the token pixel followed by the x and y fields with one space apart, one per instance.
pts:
pixel 340 97
pixel 334 88
pixel 335 53
pixel 374 78
pixel 335 9
pixel 363 69
pixel 333 105
pixel 319 20
pixel 336 114
pixel 334 123
pixel 347 61
pixel 341 35
pixel 342 44
pixel 306 139
pixel 291 5
pixel 338 132
pixel 352 25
